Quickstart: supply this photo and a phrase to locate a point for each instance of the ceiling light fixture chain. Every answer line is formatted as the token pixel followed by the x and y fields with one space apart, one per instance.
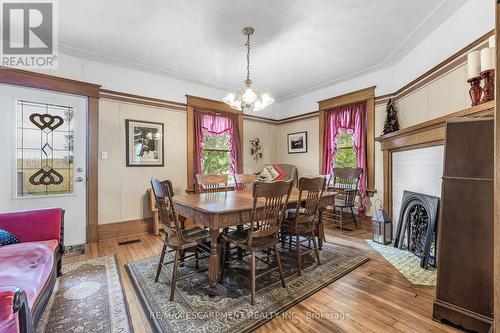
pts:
pixel 248 98
pixel 248 56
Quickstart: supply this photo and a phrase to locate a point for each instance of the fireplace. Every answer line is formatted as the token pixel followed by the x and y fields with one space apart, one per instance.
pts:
pixel 417 225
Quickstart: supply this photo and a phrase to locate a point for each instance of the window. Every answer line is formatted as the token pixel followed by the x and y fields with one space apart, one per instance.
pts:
pixel 44 149
pixel 216 153
pixel 217 128
pixel 345 155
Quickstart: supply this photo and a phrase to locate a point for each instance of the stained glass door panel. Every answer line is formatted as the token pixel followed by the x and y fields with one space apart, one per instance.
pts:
pixel 44 149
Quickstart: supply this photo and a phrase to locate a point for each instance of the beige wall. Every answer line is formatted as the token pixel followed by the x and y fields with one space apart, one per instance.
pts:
pixel 267 136
pixel 445 95
pixel 122 190
pixel 306 163
pixel 379 162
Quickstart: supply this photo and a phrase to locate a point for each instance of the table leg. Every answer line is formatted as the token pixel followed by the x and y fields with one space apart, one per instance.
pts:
pixel 239 249
pixel 213 261
pixel 320 232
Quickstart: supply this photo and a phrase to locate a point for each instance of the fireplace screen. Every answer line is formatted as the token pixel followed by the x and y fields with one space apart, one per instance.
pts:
pixel 418 230
pixel 44 149
pixel 417 225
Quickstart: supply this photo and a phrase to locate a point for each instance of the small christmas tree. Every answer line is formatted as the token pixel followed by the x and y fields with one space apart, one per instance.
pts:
pixel 391 123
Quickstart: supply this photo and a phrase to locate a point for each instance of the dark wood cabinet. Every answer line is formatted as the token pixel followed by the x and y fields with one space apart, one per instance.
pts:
pixel 464 294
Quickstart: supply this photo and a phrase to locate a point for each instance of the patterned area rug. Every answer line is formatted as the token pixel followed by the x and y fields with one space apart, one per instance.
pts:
pixel 230 310
pixel 407 264
pixel 88 297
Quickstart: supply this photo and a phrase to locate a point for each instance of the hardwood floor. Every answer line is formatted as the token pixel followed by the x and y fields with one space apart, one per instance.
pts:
pixel 373 298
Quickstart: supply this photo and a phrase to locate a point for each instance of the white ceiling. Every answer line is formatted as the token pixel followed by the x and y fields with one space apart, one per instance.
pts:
pixel 297 46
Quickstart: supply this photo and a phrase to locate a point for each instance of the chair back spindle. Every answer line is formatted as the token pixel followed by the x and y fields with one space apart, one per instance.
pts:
pixel 211 183
pixel 312 189
pixel 244 182
pixel 346 182
pixel 266 220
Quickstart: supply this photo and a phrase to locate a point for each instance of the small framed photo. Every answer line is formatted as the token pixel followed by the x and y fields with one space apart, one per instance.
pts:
pixel 144 143
pixel 297 142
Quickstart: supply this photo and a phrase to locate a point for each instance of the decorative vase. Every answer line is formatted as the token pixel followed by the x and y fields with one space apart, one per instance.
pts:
pixel 489 85
pixel 475 91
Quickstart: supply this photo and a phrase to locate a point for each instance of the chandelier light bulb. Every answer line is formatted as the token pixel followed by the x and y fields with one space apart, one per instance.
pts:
pixel 249 96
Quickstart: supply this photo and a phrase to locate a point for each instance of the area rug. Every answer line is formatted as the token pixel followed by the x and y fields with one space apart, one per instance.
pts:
pixel 407 264
pixel 230 310
pixel 88 297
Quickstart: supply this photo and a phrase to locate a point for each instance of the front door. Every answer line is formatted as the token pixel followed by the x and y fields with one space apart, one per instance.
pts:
pixel 44 155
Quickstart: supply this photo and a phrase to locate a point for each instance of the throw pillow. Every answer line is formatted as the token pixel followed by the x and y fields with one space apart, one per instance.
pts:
pixel 282 173
pixel 6 238
pixel 271 173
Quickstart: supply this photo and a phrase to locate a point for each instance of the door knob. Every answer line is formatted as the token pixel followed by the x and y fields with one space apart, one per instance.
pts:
pixel 79 179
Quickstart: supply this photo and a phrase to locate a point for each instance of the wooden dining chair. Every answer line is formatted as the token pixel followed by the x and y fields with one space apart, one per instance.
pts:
pixel 300 222
pixel 263 233
pixel 211 183
pixel 244 182
pixel 345 183
pixel 175 235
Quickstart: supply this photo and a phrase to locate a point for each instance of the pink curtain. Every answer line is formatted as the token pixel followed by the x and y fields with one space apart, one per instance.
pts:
pixel 350 118
pixel 212 124
pixel 197 150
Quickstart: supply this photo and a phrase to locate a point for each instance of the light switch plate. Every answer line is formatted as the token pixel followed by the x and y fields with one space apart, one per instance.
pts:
pixel 104 155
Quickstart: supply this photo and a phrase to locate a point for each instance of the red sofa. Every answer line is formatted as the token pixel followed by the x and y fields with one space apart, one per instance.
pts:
pixel 28 270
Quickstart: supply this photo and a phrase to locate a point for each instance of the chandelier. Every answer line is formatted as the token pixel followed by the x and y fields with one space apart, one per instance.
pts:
pixel 248 98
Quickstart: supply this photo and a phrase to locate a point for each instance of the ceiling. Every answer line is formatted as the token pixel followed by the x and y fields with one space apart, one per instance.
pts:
pixel 298 46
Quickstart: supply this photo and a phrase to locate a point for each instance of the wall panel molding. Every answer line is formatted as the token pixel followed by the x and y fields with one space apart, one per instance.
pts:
pixel 456 60
pixel 143 100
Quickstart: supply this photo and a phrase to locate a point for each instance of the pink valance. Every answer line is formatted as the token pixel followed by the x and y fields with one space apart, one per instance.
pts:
pixel 350 118
pixel 216 124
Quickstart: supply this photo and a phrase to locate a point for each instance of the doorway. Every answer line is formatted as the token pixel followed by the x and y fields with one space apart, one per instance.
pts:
pixel 44 159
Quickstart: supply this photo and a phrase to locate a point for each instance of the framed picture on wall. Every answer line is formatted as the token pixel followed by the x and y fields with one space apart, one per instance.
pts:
pixel 297 142
pixel 144 143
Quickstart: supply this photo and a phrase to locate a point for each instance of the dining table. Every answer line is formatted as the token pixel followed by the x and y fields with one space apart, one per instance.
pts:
pixel 219 210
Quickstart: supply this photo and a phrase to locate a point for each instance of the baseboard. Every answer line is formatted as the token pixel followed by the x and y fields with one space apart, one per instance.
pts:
pixel 125 228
